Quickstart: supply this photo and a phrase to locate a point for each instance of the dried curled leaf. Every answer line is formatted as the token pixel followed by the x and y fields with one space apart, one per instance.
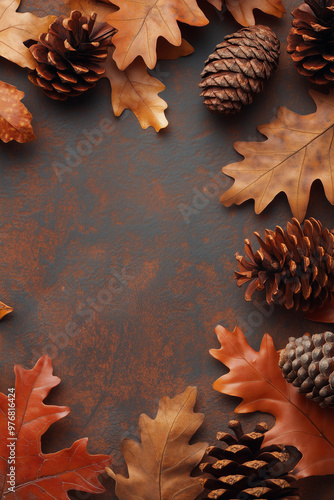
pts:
pixel 15 119
pixel 16 28
pixel 160 466
pixel 257 379
pixel 41 476
pixel 140 23
pixel 298 151
pixel 135 89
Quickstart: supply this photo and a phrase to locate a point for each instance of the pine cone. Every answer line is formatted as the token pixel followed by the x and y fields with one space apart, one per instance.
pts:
pixel 245 470
pixel 311 40
pixel 308 363
pixel 69 56
pixel 295 267
pixel 237 69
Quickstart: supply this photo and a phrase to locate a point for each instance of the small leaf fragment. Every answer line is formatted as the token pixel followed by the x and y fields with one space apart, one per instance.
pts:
pixel 15 119
pixel 5 310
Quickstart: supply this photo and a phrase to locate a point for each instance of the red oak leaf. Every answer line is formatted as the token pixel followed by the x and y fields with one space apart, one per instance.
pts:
pixel 25 471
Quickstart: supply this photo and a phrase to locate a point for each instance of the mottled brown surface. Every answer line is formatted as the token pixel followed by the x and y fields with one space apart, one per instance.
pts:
pixel 119 210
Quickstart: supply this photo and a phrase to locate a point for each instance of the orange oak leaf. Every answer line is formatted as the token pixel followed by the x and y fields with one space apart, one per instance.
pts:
pixel 257 379
pixel 135 89
pixel 242 10
pixel 16 28
pixel 15 119
pixel 298 151
pixel 141 22
pixel 160 466
pixel 4 310
pixel 24 418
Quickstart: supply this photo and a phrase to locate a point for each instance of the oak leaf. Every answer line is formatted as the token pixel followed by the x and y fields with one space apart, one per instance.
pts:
pixel 298 151
pixel 15 119
pixel 141 23
pixel 160 466
pixel 135 89
pixel 16 28
pixel 24 418
pixel 257 379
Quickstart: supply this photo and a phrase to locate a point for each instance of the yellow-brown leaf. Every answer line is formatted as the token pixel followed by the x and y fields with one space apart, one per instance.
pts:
pixel 160 466
pixel 16 28
pixel 15 119
pixel 298 151
pixel 138 91
pixel 140 23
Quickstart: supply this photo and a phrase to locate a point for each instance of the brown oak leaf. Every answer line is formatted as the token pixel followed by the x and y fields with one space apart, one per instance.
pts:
pixel 135 89
pixel 298 151
pixel 15 119
pixel 141 23
pixel 257 379
pixel 16 28
pixel 24 418
pixel 160 466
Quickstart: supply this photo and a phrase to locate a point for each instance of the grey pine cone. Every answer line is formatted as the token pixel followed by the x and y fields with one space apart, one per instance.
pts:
pixel 308 363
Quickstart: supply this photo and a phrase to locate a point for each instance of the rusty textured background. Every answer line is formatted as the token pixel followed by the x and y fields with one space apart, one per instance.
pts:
pixel 118 211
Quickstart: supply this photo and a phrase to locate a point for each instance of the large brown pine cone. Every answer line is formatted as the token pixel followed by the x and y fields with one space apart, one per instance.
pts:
pixel 69 56
pixel 238 68
pixel 311 40
pixel 308 363
pixel 244 470
pixel 295 267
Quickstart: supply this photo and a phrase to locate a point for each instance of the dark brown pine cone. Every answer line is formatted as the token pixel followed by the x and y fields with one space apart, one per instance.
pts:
pixel 295 267
pixel 311 40
pixel 238 68
pixel 308 363
pixel 70 55
pixel 243 470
